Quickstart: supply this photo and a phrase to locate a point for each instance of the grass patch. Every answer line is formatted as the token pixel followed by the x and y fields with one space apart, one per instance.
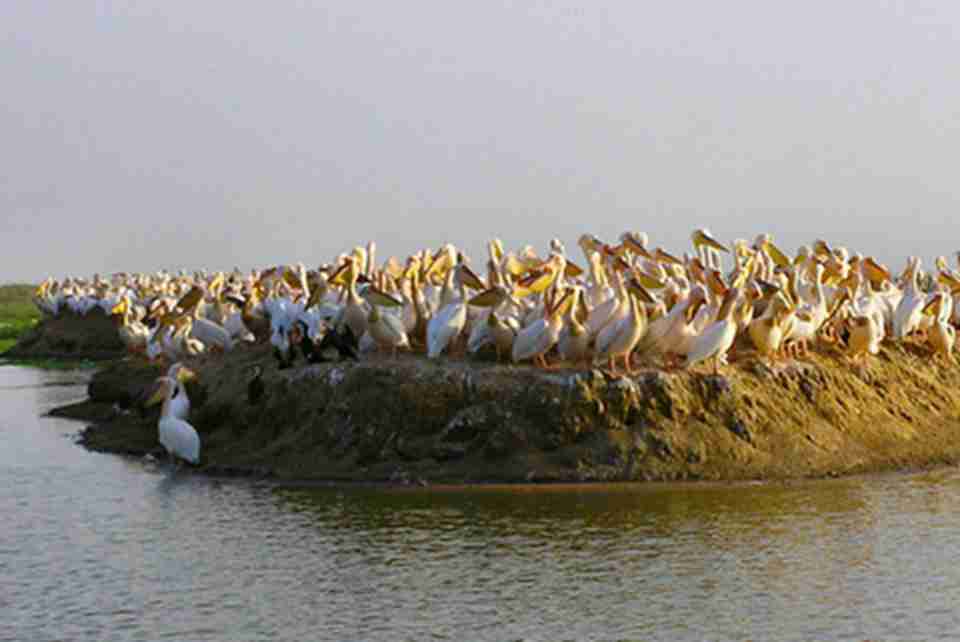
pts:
pixel 51 364
pixel 17 313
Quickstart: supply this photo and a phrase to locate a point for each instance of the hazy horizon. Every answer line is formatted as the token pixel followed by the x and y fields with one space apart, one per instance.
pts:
pixel 208 135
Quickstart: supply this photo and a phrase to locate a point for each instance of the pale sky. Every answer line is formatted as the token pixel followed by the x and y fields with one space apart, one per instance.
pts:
pixel 141 135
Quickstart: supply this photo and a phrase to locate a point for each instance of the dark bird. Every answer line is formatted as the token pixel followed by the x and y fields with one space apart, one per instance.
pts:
pixel 255 387
pixel 343 339
pixel 311 352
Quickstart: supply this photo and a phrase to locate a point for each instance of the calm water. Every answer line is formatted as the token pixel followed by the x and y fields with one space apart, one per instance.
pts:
pixel 98 547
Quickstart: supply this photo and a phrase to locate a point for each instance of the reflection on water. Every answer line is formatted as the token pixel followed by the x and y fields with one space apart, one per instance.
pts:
pixel 96 547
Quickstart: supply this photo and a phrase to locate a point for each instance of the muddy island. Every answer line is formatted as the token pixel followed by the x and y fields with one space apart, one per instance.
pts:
pixel 408 419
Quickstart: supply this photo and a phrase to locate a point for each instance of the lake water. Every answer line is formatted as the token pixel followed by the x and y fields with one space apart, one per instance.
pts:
pixel 100 547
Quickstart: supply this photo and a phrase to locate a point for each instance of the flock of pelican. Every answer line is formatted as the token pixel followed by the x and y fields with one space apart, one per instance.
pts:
pixel 625 303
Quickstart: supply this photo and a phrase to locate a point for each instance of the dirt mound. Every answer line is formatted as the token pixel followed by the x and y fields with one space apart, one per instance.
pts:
pixel 410 419
pixel 70 336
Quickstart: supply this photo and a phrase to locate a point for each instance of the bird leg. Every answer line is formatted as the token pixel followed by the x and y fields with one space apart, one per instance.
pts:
pixel 788 351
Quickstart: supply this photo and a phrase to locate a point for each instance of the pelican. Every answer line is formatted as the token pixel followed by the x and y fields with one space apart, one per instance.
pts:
pixel 609 311
pixel 767 332
pixel 618 339
pixel 679 336
pixel 498 329
pixel 536 339
pixel 178 437
pixel 718 337
pixel 180 405
pixel 385 328
pixel 444 328
pixel 574 344
pixel 133 333
pixel 47 298
pixel 355 310
pixel 865 336
pixel 502 332
pixel 909 312
pixel 708 247
pixel 211 334
pixel 942 336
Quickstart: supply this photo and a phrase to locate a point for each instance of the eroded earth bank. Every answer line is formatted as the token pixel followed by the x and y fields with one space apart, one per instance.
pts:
pixel 412 420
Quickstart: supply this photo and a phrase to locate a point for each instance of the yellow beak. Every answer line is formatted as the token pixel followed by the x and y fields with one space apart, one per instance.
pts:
pixel 378 297
pixel 487 298
pixel 649 281
pixel 186 374
pixel 777 255
pixel 701 238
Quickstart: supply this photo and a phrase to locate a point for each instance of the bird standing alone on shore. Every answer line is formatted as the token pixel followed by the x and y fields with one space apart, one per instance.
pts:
pixel 255 387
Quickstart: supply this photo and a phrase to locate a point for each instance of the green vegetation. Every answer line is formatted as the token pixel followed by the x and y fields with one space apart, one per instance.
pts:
pixel 52 364
pixel 17 313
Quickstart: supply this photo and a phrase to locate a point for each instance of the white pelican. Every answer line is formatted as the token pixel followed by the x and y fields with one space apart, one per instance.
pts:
pixel 449 322
pixel 133 333
pixel 386 328
pixel 610 310
pixel 767 331
pixel 178 437
pixel 679 336
pixel 574 344
pixel 536 339
pixel 356 310
pixel 619 338
pixel 180 404
pixel 909 312
pixel 503 332
pixel 708 248
pixel 942 335
pixel 865 336
pixel 179 344
pixel 718 337
pixel 212 335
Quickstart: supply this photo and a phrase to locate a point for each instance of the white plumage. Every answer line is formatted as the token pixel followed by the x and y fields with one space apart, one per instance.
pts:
pixel 909 311
pixel 178 437
pixel 718 337
pixel 445 326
